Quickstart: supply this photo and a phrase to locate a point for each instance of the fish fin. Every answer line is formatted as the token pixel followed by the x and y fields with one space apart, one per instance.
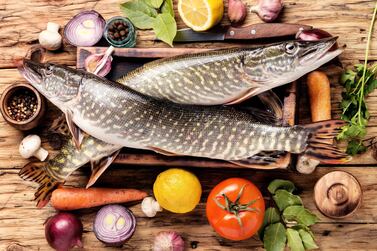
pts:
pixel 99 167
pixel 262 159
pixel 261 116
pixel 244 96
pixel 272 102
pixel 36 171
pixel 60 126
pixel 162 151
pixel 320 148
pixel 76 132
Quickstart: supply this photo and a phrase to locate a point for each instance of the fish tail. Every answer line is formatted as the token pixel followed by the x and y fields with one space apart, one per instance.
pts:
pixel 320 143
pixel 36 172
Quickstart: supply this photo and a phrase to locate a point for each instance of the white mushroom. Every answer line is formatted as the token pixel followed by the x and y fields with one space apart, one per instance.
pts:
pixel 50 38
pixel 150 207
pixel 31 146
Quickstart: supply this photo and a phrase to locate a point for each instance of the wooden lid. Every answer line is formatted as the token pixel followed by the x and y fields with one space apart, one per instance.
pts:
pixel 337 194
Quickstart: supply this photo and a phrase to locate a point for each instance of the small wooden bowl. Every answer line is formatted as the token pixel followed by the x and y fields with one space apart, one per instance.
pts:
pixel 34 120
pixel 337 194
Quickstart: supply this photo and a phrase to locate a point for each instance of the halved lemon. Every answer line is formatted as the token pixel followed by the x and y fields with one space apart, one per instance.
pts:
pixel 201 15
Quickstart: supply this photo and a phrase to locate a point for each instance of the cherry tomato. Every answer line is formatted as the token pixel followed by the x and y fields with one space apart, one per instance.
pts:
pixel 235 209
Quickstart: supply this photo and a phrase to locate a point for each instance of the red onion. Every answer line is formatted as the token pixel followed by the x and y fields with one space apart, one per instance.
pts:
pixel 85 29
pixel 100 64
pixel 64 231
pixel 168 241
pixel 114 225
pixel 314 35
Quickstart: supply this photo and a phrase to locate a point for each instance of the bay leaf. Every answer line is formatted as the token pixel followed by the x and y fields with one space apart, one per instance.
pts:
pixel 281 184
pixel 271 216
pixel 284 199
pixel 140 14
pixel 307 240
pixel 299 214
pixel 165 28
pixel 274 238
pixel 154 3
pixel 294 240
pixel 167 7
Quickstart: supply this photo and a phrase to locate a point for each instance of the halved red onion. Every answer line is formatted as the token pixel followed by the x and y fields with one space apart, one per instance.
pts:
pixel 114 225
pixel 85 29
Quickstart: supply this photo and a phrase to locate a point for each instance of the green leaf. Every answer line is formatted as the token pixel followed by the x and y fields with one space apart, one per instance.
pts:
pixel 281 184
pixel 283 199
pixel 154 3
pixel 271 216
pixel 355 147
pixel 294 240
pixel 165 28
pixel 167 7
pixel 370 87
pixel 274 238
pixel 307 240
pixel 140 14
pixel 299 214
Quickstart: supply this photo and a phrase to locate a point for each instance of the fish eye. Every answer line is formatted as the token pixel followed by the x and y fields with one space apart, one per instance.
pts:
pixel 48 70
pixel 290 48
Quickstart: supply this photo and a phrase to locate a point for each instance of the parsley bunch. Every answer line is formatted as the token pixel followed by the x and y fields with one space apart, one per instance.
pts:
pixel 358 83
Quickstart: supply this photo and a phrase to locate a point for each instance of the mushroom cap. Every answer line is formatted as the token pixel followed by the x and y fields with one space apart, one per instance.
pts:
pixel 29 145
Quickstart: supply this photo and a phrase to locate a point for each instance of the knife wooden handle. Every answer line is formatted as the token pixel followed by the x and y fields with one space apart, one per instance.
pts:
pixel 264 30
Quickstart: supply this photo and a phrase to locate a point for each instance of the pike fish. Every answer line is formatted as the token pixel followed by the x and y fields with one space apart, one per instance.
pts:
pixel 118 115
pixel 229 76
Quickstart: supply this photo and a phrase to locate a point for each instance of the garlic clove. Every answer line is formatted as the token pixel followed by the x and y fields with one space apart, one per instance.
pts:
pixel 150 206
pixel 236 11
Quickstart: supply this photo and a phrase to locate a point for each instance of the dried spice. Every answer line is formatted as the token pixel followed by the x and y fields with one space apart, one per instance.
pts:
pixel 22 105
pixel 118 30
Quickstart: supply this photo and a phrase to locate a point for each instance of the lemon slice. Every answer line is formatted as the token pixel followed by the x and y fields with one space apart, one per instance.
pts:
pixel 201 15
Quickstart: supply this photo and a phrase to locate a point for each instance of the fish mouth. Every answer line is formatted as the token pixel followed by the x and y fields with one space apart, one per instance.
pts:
pixel 319 52
pixel 31 71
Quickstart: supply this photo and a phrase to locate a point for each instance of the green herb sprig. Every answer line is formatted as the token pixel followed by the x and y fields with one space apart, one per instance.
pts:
pixel 287 223
pixel 358 83
pixel 152 14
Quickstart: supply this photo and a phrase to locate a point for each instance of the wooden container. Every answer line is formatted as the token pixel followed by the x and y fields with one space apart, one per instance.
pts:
pixel 34 120
pixel 127 59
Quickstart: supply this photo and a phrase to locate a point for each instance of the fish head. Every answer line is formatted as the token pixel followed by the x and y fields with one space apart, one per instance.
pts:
pixel 57 83
pixel 281 63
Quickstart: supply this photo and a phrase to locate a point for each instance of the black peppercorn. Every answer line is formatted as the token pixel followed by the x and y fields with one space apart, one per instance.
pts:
pixel 22 105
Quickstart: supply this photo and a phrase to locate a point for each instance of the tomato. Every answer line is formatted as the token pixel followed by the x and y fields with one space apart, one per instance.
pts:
pixel 240 219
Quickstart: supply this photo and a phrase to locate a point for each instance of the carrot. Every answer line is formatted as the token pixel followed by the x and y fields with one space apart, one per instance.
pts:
pixel 319 96
pixel 320 108
pixel 77 198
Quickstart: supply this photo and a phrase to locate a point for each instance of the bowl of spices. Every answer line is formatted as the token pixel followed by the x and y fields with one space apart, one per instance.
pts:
pixel 22 106
pixel 120 32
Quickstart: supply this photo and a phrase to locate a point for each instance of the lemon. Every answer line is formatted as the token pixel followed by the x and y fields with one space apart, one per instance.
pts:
pixel 177 190
pixel 200 15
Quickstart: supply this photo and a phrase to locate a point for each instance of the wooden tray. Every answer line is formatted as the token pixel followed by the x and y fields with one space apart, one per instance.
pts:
pixel 127 59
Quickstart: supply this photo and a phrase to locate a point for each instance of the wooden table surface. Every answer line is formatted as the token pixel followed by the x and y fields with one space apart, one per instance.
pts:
pixel 21 223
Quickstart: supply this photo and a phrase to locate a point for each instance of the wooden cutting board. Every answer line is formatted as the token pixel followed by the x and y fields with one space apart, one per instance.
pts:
pixel 127 59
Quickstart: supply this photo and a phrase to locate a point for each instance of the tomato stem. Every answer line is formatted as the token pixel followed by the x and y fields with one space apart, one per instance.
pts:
pixel 235 207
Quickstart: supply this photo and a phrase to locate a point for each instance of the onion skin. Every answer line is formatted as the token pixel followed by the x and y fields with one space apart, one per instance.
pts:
pixel 64 231
pixel 168 241
pixel 110 234
pixel 78 22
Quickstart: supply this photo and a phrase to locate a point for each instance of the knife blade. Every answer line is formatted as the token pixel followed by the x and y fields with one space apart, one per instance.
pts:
pixel 250 32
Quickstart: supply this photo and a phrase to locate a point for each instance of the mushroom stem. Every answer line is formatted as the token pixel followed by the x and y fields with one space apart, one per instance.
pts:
pixel 41 154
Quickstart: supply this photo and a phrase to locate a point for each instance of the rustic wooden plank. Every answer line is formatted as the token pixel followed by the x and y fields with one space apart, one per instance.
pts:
pixel 352 21
pixel 19 216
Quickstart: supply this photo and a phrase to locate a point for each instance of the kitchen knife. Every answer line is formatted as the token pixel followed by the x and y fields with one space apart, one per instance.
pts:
pixel 254 31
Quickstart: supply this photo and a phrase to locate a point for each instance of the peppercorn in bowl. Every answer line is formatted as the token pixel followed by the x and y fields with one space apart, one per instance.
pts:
pixel 22 106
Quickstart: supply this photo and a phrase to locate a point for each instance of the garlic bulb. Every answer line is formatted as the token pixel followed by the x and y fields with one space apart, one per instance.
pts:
pixel 150 207
pixel 50 38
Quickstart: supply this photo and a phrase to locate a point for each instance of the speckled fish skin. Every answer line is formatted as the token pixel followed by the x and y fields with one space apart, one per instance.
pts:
pixel 70 158
pixel 118 115
pixel 225 76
